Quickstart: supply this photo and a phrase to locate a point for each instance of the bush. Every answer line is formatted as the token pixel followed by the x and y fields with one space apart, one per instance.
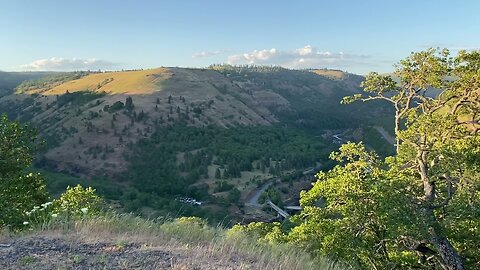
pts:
pixel 76 202
pixel 263 232
pixel 20 189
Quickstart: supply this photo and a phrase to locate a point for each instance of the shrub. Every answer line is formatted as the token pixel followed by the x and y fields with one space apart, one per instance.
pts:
pixel 78 201
pixel 20 189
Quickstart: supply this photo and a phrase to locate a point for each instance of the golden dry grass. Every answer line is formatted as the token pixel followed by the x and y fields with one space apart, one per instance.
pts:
pixel 333 74
pixel 125 82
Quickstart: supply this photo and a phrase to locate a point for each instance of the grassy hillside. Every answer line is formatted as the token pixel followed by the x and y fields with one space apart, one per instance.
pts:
pixel 121 82
pixel 334 74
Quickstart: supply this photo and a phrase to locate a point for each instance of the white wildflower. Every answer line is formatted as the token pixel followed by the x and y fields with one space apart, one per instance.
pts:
pixel 25 223
pixel 84 210
pixel 46 204
pixel 54 215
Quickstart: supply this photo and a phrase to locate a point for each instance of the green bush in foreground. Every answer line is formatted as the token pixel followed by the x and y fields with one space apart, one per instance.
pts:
pixel 74 203
pixel 20 189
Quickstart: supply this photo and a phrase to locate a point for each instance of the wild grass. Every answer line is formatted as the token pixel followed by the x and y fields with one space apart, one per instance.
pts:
pixel 201 244
pixel 125 82
pixel 330 73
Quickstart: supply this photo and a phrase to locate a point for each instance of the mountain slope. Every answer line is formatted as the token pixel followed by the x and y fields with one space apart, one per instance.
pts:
pixel 79 115
pixel 9 80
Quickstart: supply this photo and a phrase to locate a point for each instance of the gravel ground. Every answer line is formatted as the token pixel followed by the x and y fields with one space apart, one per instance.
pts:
pixel 44 252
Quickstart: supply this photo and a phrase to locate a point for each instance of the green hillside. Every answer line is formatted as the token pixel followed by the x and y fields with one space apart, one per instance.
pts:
pixel 10 80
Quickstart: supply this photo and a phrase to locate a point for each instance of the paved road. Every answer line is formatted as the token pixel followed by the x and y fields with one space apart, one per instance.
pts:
pixel 385 135
pixel 252 200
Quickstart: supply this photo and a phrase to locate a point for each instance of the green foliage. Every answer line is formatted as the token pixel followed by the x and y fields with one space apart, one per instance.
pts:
pixel 157 178
pixel 78 201
pixel 20 190
pixel 375 140
pixel 153 167
pixel 118 105
pixel 10 80
pixel 23 194
pixel 271 194
pixel 263 232
pixel 346 210
pixel 75 203
pixel 397 212
pixel 218 174
pixel 223 186
pixel 315 108
pixel 78 98
pixel 129 104
pixel 234 195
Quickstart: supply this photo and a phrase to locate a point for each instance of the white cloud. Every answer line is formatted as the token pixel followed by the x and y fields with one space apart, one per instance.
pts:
pixel 208 54
pixel 307 50
pixel 64 64
pixel 305 57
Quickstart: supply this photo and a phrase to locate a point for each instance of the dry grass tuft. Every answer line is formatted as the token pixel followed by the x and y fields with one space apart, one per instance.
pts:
pixel 190 243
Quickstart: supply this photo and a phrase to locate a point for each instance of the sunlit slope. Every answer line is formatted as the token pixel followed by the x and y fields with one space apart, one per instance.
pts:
pixel 330 73
pixel 124 82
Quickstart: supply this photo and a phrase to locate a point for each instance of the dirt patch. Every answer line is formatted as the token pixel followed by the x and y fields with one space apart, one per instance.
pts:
pixel 57 252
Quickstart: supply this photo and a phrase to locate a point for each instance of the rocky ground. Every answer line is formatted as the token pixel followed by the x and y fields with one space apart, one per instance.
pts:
pixel 58 252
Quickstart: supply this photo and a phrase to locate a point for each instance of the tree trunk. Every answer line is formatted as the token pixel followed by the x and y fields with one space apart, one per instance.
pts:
pixel 397 129
pixel 450 258
pixel 428 186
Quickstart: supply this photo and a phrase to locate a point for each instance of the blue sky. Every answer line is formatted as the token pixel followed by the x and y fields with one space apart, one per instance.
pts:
pixel 356 36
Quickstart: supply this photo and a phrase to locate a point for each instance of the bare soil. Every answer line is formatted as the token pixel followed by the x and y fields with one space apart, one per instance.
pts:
pixel 59 252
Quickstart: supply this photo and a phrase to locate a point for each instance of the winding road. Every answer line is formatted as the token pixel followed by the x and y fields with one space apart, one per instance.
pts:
pixel 252 199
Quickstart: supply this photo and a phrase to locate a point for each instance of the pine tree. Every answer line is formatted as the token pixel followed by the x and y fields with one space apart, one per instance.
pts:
pixel 129 104
pixel 218 174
